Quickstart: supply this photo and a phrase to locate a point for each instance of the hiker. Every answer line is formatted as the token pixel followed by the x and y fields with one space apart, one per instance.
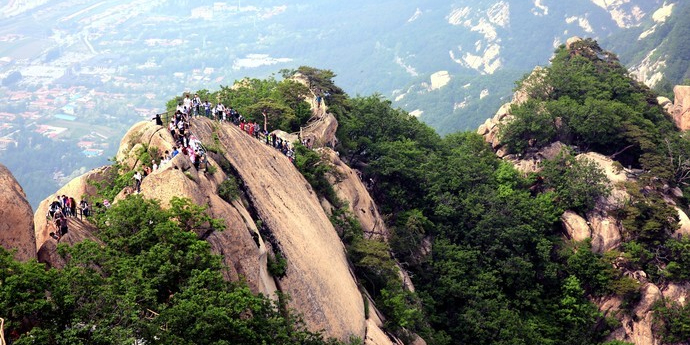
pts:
pixel 194 157
pixel 220 109
pixel 196 105
pixel 171 128
pixel 207 108
pixel 159 121
pixel 137 178
pixel 60 227
pixel 53 209
pixel 73 206
pixel 84 205
pixel 187 102
pixel 318 101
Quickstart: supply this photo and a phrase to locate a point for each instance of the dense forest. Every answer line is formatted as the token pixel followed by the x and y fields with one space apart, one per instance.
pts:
pixel 482 242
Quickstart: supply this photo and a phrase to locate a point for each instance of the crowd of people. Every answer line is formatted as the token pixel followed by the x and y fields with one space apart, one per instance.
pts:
pixel 191 107
pixel 62 208
pixel 185 143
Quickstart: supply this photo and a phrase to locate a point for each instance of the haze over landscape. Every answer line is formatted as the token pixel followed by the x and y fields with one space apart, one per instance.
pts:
pixel 486 172
pixel 76 74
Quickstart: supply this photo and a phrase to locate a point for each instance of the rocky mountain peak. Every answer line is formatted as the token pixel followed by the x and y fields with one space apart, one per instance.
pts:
pixel 277 213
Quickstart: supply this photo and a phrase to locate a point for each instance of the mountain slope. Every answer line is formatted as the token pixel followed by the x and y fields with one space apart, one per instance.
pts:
pixel 656 51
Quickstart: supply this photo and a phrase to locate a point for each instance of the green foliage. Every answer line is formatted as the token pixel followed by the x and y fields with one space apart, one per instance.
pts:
pixel 672 321
pixel 215 146
pixel 577 183
pixel 407 236
pixel 586 98
pixel 647 218
pixel 532 127
pixel 316 170
pixel 678 267
pixel 145 154
pixel 574 309
pixel 229 190
pixel 149 278
pixel 114 180
pixel 594 273
pixel 277 265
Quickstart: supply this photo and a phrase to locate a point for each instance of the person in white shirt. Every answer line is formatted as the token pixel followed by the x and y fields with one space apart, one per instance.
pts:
pixel 187 102
pixel 137 178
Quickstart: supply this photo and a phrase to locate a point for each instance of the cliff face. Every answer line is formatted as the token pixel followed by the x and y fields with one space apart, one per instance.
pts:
pixel 278 212
pixel 16 220
pixel 680 110
pixel 318 278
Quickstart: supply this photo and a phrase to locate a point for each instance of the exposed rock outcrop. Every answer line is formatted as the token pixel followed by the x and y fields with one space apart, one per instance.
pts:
pixel 684 222
pixel 350 188
pixel 141 135
pixel 321 131
pixel 606 231
pixel 279 201
pixel 572 40
pixel 576 227
pixel 16 218
pixel 637 327
pixel 79 230
pixel 241 247
pixel 318 278
pixel 665 103
pixel 680 111
pixel 79 188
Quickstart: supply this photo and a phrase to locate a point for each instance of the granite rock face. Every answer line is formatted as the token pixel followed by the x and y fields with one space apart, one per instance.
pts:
pixel 16 218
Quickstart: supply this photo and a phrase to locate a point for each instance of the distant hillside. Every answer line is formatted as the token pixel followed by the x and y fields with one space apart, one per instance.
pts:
pixel 657 52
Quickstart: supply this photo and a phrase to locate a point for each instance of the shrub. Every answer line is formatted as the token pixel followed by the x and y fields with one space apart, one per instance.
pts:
pixel 229 189
pixel 672 321
pixel 578 183
pixel 531 126
pixel 277 265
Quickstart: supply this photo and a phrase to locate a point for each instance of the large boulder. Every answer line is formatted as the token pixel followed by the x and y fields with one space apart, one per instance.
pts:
pixel 321 131
pixel 680 111
pixel 606 231
pixel 665 103
pixel 572 40
pixel 614 173
pixel 684 222
pixel 677 293
pixel 636 327
pixel 82 187
pixel 318 278
pixel 16 218
pixel 576 227
pixel 80 229
pixel 242 249
pixel 140 136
